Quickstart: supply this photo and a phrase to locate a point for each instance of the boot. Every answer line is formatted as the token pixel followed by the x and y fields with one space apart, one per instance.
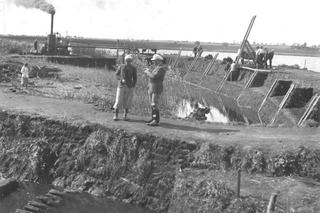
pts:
pixel 125 114
pixel 115 116
pixel 152 115
pixel 156 118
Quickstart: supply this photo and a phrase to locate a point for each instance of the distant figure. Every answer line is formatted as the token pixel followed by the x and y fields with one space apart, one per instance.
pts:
pixel 269 57
pixel 35 44
pixel 69 49
pixel 25 75
pixel 46 47
pixel 208 57
pixel 154 51
pixel 227 61
pixel 260 55
pixel 197 50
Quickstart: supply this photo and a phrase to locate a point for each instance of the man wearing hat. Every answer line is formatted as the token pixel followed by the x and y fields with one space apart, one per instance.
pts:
pixel 155 87
pixel 127 76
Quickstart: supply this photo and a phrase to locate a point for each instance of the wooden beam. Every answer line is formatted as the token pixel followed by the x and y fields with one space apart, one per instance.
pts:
pixel 177 59
pixel 247 85
pixel 245 38
pixel 306 114
pixel 254 69
pixel 209 67
pixel 266 97
pixel 283 102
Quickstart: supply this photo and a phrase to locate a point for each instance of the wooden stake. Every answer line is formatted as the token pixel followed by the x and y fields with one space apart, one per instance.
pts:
pixel 238 183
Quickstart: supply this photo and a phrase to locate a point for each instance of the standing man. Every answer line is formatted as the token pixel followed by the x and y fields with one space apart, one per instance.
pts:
pixel 127 76
pixel 197 50
pixel 155 87
pixel 260 57
pixel 35 44
pixel 269 58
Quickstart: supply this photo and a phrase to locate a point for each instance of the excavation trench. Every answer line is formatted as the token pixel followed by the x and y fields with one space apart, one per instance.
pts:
pixel 157 173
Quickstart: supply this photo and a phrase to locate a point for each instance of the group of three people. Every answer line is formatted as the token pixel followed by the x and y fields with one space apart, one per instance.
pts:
pixel 263 56
pixel 127 77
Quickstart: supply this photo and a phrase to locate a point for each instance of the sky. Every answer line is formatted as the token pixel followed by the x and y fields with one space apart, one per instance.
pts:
pixel 278 21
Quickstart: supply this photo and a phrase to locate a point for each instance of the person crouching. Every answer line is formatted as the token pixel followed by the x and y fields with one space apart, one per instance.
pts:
pixel 127 76
pixel 155 87
pixel 25 75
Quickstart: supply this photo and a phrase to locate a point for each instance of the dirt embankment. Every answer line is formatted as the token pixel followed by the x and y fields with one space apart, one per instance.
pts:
pixel 159 173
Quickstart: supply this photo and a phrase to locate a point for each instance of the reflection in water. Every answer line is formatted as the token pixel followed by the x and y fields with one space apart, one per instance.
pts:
pixel 185 109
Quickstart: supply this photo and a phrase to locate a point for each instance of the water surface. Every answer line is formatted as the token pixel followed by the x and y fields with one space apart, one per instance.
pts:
pixel 73 202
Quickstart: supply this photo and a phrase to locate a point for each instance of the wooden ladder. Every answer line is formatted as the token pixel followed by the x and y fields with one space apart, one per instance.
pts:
pixel 266 97
pixel 283 102
pixel 306 114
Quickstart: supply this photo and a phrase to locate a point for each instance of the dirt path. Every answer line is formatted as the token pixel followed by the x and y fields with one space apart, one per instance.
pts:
pixel 275 138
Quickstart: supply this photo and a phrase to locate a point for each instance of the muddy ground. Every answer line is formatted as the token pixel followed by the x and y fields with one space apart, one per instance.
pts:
pixel 180 166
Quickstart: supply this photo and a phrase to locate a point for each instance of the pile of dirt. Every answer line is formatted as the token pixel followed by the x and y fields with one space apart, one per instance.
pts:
pixel 10 70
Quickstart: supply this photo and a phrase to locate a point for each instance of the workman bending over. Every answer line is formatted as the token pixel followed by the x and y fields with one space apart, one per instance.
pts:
pixel 127 76
pixel 155 87
pixel 197 50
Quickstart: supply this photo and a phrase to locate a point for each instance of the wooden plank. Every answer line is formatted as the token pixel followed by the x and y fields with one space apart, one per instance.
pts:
pixel 283 102
pixel 245 38
pixel 247 85
pixel 209 67
pixel 223 80
pixel 207 70
pixel 266 97
pixel 254 69
pixel 177 59
pixel 309 109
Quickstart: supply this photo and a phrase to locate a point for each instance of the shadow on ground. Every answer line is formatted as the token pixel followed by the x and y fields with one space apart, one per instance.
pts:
pixel 185 127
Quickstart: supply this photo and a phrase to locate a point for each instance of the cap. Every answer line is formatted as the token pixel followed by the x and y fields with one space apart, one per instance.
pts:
pixel 157 57
pixel 128 57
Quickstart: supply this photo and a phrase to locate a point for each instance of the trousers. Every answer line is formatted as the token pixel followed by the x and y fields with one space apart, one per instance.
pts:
pixel 124 97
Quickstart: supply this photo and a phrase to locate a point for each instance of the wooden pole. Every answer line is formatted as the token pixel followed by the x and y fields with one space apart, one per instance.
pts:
pixel 272 203
pixel 117 48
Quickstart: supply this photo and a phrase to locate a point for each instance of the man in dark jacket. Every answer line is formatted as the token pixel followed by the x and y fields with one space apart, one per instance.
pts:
pixel 155 87
pixel 127 76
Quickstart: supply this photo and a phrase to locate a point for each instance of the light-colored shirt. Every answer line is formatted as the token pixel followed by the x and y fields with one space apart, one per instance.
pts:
pixel 25 72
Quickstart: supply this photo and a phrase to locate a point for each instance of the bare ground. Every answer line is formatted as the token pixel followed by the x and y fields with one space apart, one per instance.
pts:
pixel 297 193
